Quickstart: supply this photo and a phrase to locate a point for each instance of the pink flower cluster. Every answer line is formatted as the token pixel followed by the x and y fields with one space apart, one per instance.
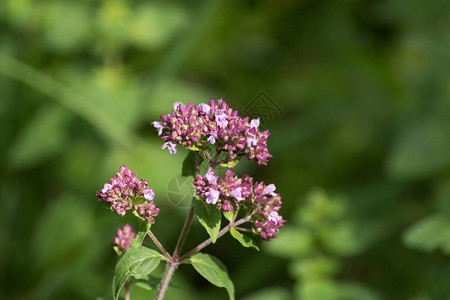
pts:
pixel 122 240
pixel 232 192
pixel 267 220
pixel 217 124
pixel 125 192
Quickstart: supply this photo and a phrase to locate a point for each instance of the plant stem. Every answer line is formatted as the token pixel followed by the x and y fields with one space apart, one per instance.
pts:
pixel 127 291
pixel 243 229
pixel 209 241
pixel 159 245
pixel 174 261
pixel 206 154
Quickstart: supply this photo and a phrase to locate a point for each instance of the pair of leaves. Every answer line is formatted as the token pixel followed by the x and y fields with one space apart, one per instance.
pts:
pixel 138 262
pixel 210 218
pixel 213 270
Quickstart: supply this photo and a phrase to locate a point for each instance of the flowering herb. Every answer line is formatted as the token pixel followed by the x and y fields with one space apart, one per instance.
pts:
pixel 216 135
pixel 122 241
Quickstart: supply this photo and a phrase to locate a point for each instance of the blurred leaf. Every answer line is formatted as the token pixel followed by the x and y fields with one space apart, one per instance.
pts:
pixel 66 25
pixel 209 216
pixel 342 239
pixel 291 243
pixel 213 270
pixel 443 196
pixel 314 268
pixel 43 136
pixel 112 22
pixel 318 289
pixel 137 262
pixel 245 240
pixel 422 150
pixel 21 13
pixel 64 227
pixel 154 24
pixel 351 291
pixel 320 208
pixel 273 293
pixel 68 98
pixel 429 234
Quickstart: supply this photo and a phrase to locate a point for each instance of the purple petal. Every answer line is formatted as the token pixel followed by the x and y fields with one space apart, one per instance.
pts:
pixel 210 176
pixel 106 187
pixel 205 108
pixel 160 126
pixel 212 196
pixel 178 103
pixel 254 123
pixel 171 146
pixel 269 189
pixel 149 194
pixel 237 193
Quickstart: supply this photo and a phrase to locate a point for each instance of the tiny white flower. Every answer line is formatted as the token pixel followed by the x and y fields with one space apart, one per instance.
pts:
pixel 254 123
pixel 212 196
pixel 205 108
pixel 237 193
pixel 269 189
pixel 171 146
pixel 106 187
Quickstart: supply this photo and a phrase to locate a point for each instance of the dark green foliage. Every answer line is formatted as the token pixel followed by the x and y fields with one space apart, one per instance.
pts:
pixel 364 90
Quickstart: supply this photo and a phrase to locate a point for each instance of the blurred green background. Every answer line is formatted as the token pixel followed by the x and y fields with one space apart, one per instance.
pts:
pixel 361 151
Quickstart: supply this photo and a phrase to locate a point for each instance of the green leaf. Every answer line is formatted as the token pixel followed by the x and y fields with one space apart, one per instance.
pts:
pixel 213 270
pixel 137 262
pixel 189 167
pixel 429 234
pixel 139 239
pixel 195 148
pixel 209 216
pixel 245 240
pixel 232 163
pixel 229 215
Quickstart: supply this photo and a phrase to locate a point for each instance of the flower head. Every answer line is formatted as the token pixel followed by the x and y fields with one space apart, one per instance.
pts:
pixel 126 192
pixel 217 124
pixel 122 240
pixel 231 192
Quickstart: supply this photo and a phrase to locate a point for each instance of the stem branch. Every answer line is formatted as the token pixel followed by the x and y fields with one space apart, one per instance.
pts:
pixel 174 261
pixel 159 245
pixel 209 241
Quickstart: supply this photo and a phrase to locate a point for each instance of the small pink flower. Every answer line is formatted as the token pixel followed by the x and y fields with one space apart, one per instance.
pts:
pixel 212 196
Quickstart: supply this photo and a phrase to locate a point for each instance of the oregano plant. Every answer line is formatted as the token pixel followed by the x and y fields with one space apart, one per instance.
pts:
pixel 216 136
